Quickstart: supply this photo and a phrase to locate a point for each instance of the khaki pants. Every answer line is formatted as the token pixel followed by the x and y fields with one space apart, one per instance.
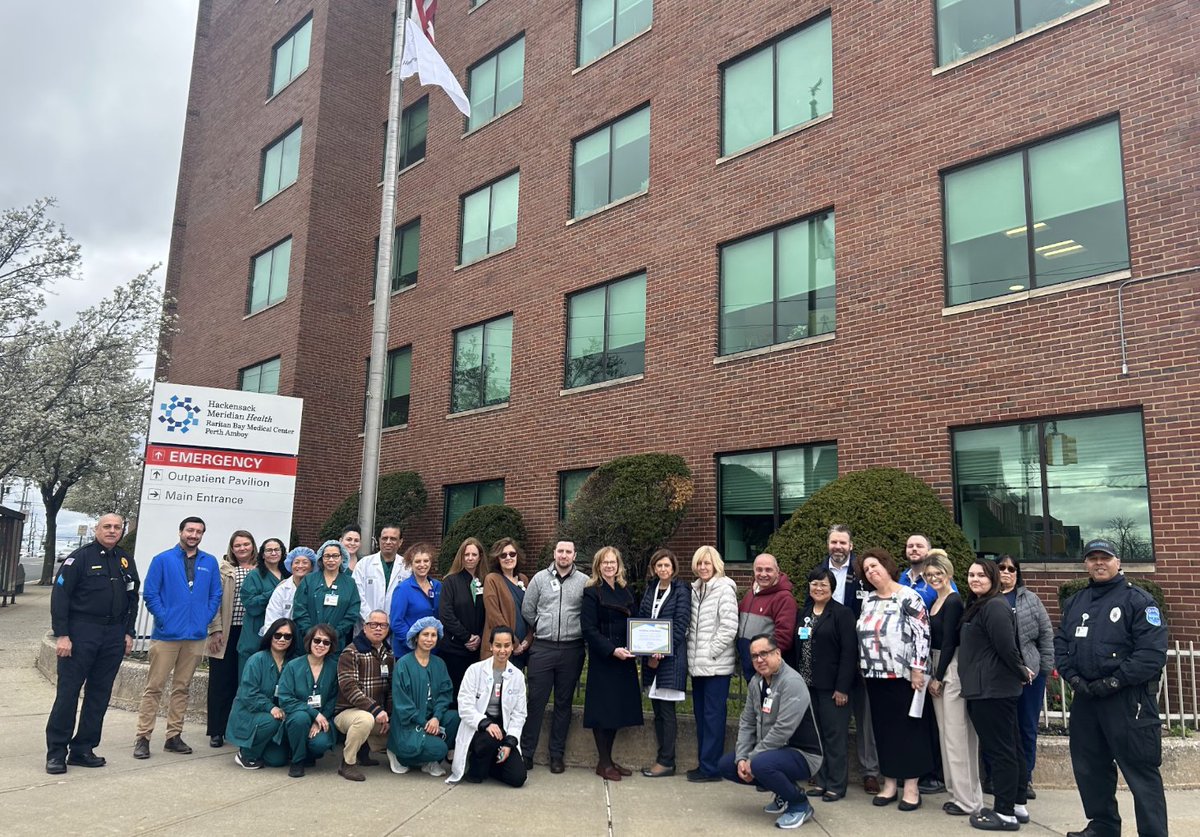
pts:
pixel 359 728
pixel 166 656
pixel 959 742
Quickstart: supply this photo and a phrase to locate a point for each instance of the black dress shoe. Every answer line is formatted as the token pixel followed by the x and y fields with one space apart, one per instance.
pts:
pixel 1087 832
pixel 556 765
pixel 1029 791
pixel 86 758
pixel 909 806
pixel 296 770
pixel 55 766
pixel 216 741
pixel 881 801
pixel 364 757
pixel 931 786
pixel 141 748
pixel 528 762
pixel 175 744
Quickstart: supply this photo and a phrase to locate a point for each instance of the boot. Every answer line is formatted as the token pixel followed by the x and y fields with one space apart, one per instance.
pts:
pixel 351 772
pixel 364 756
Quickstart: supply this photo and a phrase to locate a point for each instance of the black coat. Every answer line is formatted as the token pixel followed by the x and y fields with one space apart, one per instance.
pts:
pixel 834 647
pixel 671 671
pixel 989 660
pixel 461 614
pixel 612 698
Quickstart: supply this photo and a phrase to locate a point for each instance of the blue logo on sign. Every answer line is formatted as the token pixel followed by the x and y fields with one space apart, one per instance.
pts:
pixel 179 414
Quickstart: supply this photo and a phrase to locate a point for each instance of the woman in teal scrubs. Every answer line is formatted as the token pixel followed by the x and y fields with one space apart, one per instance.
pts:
pixel 256 720
pixel 256 594
pixel 308 690
pixel 329 596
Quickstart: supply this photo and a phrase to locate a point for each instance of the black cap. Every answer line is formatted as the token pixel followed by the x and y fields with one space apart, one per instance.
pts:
pixel 1100 545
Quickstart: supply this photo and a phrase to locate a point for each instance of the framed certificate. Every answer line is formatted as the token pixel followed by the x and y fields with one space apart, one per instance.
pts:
pixel 650 636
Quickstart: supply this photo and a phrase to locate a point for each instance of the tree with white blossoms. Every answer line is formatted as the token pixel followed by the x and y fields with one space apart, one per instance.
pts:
pixel 115 485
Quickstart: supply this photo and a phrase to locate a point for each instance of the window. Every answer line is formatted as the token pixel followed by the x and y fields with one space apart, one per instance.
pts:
pixel 489 219
pixel 606 332
pixel 1041 489
pixel 280 164
pixel 605 23
pixel 967 26
pixel 405 248
pixel 414 123
pixel 778 286
pixel 1069 191
pixel 460 499
pixel 569 483
pixel 269 276
pixel 482 365
pixel 612 163
pixel 776 87
pixel 262 377
pixel 289 58
pixel 757 493
pixel 397 387
pixel 497 83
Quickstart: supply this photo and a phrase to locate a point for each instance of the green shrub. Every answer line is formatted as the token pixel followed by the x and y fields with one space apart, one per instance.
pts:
pixel 882 507
pixel 487 523
pixel 128 542
pixel 401 497
pixel 1069 588
pixel 634 503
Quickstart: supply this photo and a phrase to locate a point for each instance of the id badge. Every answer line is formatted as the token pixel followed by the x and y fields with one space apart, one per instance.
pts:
pixel 277 690
pixel 314 701
pixel 860 594
pixel 1081 631
pixel 129 586
pixel 554 585
pixel 805 632
pixel 383 669
pixel 331 599
pixel 496 690
pixel 767 704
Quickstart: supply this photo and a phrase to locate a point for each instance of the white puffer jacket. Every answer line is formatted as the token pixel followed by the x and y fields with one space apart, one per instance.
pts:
pixel 711 647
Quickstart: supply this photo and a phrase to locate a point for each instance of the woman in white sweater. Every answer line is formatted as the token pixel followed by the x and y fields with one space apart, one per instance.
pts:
pixel 712 657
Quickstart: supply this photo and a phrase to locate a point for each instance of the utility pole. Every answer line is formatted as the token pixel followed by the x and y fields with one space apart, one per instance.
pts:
pixel 377 368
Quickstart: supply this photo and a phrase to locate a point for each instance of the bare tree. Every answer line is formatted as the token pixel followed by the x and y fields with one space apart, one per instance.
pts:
pixel 1125 532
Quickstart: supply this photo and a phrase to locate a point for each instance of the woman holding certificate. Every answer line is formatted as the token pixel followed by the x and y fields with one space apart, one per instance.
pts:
pixel 665 675
pixel 612 698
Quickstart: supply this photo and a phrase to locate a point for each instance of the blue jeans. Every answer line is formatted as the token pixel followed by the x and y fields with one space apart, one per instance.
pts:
pixel 710 699
pixel 776 770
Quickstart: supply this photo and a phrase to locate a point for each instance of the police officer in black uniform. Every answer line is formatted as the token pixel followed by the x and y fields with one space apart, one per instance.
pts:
pixel 1111 647
pixel 93 606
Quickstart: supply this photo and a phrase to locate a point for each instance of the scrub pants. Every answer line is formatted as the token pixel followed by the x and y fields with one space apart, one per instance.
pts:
pixel 296 727
pixel 434 747
pixel 262 741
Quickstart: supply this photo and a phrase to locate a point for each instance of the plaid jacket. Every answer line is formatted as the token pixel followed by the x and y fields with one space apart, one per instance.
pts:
pixel 362 681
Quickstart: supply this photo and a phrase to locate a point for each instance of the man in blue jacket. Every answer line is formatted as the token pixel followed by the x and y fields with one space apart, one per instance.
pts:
pixel 182 591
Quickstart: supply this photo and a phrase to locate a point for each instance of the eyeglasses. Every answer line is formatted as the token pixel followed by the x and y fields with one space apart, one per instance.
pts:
pixel 763 655
pixel 1005 569
pixel 320 640
pixel 376 625
pixel 507 554
pixel 272 549
pixel 281 635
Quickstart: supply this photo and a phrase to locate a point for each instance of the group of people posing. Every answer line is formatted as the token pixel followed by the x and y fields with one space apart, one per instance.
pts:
pixel 454 675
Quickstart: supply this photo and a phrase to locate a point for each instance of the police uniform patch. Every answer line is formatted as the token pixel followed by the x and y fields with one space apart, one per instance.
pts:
pixel 1153 616
pixel 1114 615
pixel 69 561
pixel 124 563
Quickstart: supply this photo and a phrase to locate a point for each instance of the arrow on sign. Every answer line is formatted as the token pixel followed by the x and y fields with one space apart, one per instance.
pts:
pixel 153 494
pixel 156 475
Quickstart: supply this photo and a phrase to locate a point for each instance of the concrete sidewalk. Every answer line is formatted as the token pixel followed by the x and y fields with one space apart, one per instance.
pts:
pixel 206 793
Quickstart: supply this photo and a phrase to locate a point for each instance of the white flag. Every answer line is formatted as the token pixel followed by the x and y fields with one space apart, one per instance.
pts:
pixel 420 57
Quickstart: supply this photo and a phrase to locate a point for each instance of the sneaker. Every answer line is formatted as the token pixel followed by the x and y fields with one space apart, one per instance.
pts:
pixel 395 764
pixel 795 816
pixel 248 763
pixel 1021 813
pixel 776 806
pixel 433 768
pixel 296 770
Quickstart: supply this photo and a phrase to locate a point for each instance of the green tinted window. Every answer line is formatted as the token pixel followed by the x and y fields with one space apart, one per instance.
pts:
pixel 496 84
pixel 269 276
pixel 606 332
pixel 262 377
pixel 399 376
pixel 482 365
pixel 965 27
pixel 289 58
pixel 569 483
pixel 460 499
pixel 280 164
pixel 612 162
pixel 605 23
pixel 414 123
pixel 489 219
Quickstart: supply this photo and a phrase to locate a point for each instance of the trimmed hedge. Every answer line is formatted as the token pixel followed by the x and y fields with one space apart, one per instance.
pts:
pixel 634 503
pixel 487 523
pixel 882 507
pixel 1069 588
pixel 401 497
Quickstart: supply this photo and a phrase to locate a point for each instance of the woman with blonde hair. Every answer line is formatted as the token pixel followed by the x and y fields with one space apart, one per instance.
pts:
pixel 461 610
pixel 711 657
pixel 612 698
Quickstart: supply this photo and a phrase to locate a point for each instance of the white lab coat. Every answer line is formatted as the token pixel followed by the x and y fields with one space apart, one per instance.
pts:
pixel 280 605
pixel 372 592
pixel 473 697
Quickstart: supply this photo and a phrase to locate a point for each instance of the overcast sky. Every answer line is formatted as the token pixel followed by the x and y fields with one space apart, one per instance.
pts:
pixel 91 113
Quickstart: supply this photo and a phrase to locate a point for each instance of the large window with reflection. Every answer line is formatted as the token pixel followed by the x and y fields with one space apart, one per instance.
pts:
pixel 489 219
pixel 1039 490
pixel 606 332
pixel 463 497
pixel 758 491
pixel 496 84
pixel 965 27
pixel 482 365
pixel 604 24
pixel 1045 214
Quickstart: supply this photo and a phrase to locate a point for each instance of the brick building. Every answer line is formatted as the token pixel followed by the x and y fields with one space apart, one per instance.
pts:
pixel 784 240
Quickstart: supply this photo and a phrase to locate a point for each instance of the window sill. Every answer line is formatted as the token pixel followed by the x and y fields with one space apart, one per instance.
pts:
pixel 396 293
pixel 266 201
pixel 491 121
pixel 473 9
pixel 264 309
pixel 459 267
pixel 409 167
pixel 1020 36
pixel 775 347
pixel 491 408
pixel 1077 567
pixel 615 382
pixel 391 429
pixel 279 92
pixel 611 50
pixel 613 205
pixel 1036 293
pixel 782 135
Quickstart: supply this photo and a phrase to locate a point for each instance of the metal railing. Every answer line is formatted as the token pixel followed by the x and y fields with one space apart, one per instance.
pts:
pixel 1178 697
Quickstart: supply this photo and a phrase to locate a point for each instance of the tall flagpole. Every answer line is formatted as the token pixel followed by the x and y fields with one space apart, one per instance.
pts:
pixel 377 367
